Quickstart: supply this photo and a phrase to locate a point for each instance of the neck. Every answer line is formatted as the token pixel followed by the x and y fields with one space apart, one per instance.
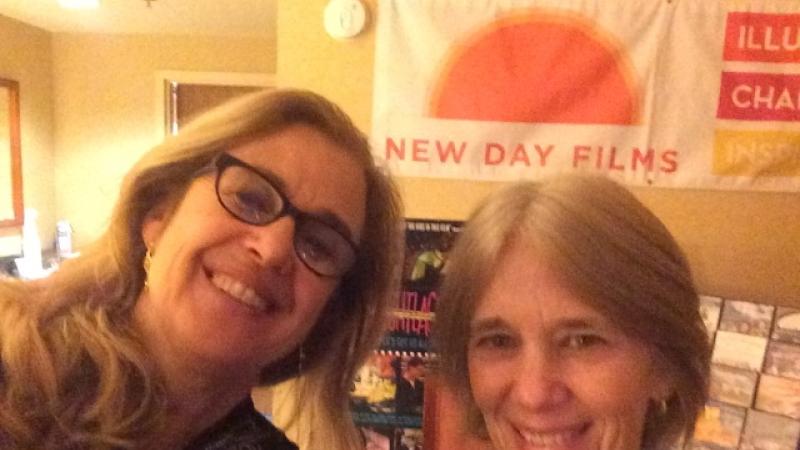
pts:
pixel 196 395
pixel 196 400
pixel 199 392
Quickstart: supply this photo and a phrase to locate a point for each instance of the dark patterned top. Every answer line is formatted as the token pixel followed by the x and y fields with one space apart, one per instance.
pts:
pixel 243 428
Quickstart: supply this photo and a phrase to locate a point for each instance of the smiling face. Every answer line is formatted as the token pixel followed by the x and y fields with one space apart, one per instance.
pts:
pixel 228 296
pixel 547 371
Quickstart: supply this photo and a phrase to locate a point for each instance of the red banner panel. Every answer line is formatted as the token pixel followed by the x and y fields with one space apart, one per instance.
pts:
pixel 762 37
pixel 759 96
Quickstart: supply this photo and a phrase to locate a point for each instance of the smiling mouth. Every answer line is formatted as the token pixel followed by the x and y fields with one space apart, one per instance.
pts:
pixel 553 439
pixel 239 291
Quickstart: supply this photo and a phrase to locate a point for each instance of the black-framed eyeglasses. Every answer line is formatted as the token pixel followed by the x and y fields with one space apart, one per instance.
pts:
pixel 251 196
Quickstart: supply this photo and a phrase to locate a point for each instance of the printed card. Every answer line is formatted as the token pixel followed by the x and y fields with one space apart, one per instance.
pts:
pixel 374 387
pixel 427 244
pixel 779 395
pixel 783 359
pixel 765 431
pixel 390 390
pixel 746 318
pixel 731 385
pixel 787 325
pixel 719 427
pixel 739 350
pixel 412 321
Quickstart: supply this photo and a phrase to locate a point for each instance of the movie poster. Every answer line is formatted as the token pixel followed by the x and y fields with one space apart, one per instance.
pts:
pixel 388 396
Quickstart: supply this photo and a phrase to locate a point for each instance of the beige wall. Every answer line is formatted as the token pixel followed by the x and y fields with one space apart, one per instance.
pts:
pixel 106 107
pixel 741 244
pixel 26 57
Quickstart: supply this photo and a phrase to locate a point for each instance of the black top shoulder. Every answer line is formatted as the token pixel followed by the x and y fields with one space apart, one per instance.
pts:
pixel 243 428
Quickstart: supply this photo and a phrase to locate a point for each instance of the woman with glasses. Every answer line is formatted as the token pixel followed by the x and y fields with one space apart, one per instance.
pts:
pixel 255 247
pixel 568 319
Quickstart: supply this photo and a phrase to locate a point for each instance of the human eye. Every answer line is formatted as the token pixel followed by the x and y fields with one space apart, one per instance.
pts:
pixel 322 248
pixel 252 205
pixel 248 196
pixel 250 199
pixel 497 341
pixel 317 248
pixel 581 340
pixel 493 341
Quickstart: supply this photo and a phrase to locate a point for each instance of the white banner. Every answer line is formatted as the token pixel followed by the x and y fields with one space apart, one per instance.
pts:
pixel 679 93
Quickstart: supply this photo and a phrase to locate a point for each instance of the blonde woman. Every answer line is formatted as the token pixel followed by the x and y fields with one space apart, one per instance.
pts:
pixel 568 319
pixel 255 247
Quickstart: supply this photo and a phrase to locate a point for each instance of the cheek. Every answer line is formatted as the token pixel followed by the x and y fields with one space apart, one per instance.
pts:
pixel 312 293
pixel 621 391
pixel 485 383
pixel 615 398
pixel 171 267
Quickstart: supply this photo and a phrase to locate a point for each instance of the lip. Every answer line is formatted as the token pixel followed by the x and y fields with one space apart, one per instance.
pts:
pixel 552 437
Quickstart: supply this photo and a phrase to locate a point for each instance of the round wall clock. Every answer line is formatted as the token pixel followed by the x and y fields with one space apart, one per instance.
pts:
pixel 344 18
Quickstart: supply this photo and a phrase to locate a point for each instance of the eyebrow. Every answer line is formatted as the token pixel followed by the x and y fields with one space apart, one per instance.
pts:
pixel 325 216
pixel 572 324
pixel 495 323
pixel 332 220
pixel 487 324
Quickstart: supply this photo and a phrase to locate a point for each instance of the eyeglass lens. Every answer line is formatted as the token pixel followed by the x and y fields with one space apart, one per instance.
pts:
pixel 251 198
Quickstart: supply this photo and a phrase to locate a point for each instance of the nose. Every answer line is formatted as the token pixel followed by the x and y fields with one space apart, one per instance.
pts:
pixel 272 245
pixel 540 384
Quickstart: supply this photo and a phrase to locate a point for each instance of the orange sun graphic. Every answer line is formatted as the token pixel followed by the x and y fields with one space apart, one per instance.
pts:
pixel 538 67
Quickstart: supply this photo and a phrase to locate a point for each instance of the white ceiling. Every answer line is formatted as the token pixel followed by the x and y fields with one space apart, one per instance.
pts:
pixel 254 18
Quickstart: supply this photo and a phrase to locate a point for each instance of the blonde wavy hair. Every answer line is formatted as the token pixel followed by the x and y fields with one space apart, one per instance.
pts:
pixel 609 249
pixel 74 374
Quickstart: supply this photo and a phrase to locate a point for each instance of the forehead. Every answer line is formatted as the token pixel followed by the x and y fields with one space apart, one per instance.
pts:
pixel 319 176
pixel 526 290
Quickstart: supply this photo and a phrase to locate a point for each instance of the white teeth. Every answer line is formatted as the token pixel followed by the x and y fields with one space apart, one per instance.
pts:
pixel 550 439
pixel 238 291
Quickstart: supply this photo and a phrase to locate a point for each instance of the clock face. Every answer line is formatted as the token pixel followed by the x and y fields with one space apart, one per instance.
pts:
pixel 344 18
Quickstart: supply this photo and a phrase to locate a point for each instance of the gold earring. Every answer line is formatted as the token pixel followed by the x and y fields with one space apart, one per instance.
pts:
pixel 301 359
pixel 148 260
pixel 662 407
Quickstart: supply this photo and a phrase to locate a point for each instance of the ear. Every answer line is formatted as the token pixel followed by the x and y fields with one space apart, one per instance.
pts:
pixel 153 224
pixel 663 382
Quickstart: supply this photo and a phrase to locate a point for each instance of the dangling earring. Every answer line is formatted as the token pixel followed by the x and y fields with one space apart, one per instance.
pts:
pixel 662 407
pixel 148 260
pixel 301 359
